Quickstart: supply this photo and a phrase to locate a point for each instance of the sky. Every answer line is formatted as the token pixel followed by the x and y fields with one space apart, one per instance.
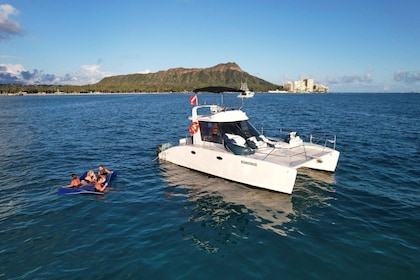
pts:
pixel 349 46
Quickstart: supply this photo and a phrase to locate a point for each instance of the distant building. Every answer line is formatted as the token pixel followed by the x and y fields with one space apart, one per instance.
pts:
pixel 320 88
pixel 309 83
pixel 306 85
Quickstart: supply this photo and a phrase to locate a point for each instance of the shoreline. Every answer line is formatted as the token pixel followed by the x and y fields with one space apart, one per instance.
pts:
pixel 85 93
pixel 168 93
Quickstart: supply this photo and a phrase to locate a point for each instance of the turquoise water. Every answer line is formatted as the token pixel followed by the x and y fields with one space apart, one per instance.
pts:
pixel 160 221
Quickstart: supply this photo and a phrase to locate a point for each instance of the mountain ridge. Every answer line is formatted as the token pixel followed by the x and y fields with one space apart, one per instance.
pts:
pixel 182 79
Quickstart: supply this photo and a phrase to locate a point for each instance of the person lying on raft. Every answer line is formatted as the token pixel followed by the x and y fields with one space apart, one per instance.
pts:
pixel 100 185
pixel 90 178
pixel 75 182
pixel 102 171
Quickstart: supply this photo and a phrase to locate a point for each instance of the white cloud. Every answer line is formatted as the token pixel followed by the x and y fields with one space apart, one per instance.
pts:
pixel 8 27
pixel 147 71
pixel 89 74
pixel 13 69
pixel 91 68
pixel 350 79
pixel 406 76
pixel 17 74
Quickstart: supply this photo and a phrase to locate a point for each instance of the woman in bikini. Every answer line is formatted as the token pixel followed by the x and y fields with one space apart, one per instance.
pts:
pixel 102 171
pixel 101 185
pixel 90 178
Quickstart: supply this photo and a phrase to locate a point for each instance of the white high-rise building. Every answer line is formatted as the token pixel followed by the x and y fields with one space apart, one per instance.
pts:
pixel 305 85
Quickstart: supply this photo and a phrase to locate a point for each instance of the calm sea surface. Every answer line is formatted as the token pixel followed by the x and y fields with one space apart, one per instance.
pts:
pixel 160 221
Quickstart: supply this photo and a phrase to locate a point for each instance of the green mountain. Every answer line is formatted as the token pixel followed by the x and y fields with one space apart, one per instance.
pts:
pixel 185 80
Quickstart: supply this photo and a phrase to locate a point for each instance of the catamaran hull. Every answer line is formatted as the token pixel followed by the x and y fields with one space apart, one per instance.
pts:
pixel 242 169
pixel 327 162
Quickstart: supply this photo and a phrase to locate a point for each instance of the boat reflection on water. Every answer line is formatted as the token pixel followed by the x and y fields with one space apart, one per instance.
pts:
pixel 233 210
pixel 313 189
pixel 322 176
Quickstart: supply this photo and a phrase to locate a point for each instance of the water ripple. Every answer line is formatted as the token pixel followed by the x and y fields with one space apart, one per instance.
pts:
pixel 162 221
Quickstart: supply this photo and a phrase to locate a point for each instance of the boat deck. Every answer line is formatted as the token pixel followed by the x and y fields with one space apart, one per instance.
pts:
pixel 294 157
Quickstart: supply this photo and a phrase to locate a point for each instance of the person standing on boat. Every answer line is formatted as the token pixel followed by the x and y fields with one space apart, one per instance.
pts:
pixel 100 184
pixel 102 171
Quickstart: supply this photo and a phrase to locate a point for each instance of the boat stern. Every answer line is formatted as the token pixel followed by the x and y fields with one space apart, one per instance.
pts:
pixel 326 161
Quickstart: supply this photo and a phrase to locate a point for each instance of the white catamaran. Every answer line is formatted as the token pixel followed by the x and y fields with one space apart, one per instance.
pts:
pixel 225 144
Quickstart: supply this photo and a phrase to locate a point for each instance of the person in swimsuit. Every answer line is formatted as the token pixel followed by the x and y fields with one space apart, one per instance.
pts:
pixel 102 171
pixel 90 178
pixel 101 185
pixel 75 182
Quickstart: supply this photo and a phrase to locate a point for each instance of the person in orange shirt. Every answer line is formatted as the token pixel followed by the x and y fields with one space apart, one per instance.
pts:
pixel 100 184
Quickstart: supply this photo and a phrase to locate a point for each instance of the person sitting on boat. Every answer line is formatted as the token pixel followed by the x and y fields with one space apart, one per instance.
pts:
pixel 75 182
pixel 102 171
pixel 90 178
pixel 100 184
pixel 215 136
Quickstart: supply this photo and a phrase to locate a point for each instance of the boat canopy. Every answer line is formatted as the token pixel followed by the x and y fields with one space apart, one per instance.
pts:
pixel 217 89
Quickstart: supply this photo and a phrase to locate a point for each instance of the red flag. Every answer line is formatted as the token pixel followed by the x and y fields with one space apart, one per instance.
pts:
pixel 193 100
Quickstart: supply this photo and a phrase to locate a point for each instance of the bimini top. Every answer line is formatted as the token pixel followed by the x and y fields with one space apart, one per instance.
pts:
pixel 217 89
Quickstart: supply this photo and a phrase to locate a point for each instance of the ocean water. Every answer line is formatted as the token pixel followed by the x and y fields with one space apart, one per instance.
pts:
pixel 160 221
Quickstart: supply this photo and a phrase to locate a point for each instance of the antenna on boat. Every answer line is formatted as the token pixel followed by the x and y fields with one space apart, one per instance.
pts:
pixel 242 103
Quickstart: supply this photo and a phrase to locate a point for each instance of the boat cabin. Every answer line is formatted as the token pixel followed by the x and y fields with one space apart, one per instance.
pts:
pixel 215 131
pixel 215 124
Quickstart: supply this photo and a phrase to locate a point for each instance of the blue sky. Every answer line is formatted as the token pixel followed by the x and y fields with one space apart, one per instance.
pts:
pixel 349 46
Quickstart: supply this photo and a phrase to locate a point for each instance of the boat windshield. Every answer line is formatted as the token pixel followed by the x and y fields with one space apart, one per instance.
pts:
pixel 210 132
pixel 213 131
pixel 242 128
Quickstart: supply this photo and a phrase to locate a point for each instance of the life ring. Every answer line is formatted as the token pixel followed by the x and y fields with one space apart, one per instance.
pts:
pixel 194 128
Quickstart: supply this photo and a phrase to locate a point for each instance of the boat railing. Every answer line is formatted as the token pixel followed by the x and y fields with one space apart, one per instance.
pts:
pixel 324 139
pixel 290 153
pixel 321 138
